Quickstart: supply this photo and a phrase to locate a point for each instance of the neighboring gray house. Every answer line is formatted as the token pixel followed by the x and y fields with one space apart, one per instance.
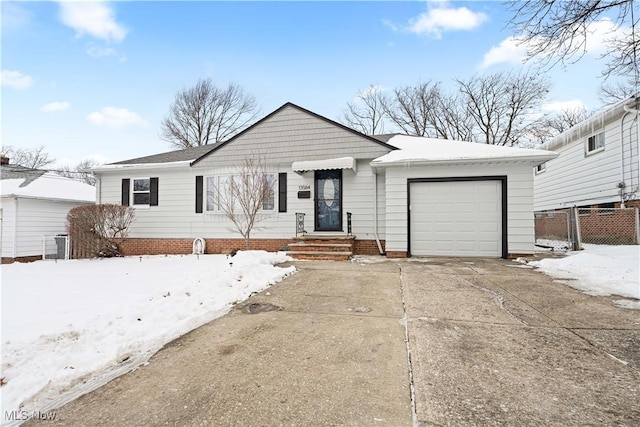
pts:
pixel 405 195
pixel 598 163
pixel 34 204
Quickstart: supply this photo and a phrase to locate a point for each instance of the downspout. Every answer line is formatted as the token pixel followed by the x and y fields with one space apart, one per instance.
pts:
pixel 98 188
pixel 375 210
pixel 628 110
pixel 14 250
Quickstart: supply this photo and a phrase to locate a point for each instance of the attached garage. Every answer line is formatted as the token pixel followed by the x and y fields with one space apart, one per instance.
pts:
pixel 458 199
pixel 457 217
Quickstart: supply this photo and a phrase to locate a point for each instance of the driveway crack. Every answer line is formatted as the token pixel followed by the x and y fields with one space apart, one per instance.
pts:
pixel 405 321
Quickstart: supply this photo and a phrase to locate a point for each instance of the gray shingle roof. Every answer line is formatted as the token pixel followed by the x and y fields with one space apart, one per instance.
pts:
pixel 20 172
pixel 188 154
pixel 384 137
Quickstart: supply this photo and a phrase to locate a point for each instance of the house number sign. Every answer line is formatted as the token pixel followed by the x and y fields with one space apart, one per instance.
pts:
pixel 304 187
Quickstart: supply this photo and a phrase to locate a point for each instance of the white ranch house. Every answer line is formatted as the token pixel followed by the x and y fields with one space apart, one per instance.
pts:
pixel 405 196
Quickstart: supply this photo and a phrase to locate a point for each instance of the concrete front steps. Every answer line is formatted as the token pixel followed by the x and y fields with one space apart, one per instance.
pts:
pixel 325 247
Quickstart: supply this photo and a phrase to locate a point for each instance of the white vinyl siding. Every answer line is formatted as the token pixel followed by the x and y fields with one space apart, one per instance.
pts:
pixel 292 135
pixel 175 216
pixel 576 179
pixel 520 226
pixel 26 220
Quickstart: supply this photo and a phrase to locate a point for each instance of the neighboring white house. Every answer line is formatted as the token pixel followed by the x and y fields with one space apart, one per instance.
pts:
pixel 598 163
pixel 405 196
pixel 34 204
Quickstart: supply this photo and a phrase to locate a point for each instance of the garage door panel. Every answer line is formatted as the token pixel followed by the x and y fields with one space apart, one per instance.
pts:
pixel 456 218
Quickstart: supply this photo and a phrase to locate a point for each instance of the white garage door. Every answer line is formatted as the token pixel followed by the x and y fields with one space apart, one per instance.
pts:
pixel 456 218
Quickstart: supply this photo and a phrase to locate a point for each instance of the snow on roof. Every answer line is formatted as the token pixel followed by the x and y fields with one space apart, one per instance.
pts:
pixel 48 186
pixel 432 150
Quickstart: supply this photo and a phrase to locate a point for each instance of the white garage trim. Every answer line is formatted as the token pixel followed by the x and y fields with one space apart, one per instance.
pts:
pixel 502 182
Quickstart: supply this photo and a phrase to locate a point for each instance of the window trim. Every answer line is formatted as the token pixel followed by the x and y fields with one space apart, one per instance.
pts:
pixel 588 152
pixel 218 211
pixel 133 192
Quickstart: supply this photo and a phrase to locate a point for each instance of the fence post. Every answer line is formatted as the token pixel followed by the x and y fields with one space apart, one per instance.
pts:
pixel 637 221
pixel 578 237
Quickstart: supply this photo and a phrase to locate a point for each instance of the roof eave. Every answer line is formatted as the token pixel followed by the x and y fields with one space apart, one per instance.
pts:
pixel 532 160
pixel 138 166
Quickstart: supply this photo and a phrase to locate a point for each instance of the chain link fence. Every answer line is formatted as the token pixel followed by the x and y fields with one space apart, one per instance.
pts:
pixel 55 247
pixel 569 228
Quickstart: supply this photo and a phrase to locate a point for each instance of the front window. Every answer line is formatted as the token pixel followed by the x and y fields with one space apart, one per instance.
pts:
pixel 219 193
pixel 595 143
pixel 141 191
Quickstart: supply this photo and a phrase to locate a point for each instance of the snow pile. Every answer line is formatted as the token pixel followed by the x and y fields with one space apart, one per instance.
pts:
pixel 599 270
pixel 415 148
pixel 69 327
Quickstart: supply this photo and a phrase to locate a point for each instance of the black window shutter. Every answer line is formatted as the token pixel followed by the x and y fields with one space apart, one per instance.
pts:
pixel 125 192
pixel 282 192
pixel 199 194
pixel 153 194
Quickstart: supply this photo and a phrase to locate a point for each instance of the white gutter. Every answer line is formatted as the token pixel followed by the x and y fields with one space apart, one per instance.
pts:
pixel 533 160
pixel 48 199
pixel 166 165
pixel 627 110
pixel 375 211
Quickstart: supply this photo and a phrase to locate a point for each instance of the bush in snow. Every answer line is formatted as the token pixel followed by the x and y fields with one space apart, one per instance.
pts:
pixel 97 230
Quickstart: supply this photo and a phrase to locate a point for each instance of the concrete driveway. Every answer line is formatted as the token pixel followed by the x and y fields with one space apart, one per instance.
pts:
pixel 418 342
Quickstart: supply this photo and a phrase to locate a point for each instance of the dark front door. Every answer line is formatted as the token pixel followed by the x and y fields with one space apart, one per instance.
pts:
pixel 328 209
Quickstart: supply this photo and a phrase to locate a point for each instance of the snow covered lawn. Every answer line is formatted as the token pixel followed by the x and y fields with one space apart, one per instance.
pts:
pixel 599 270
pixel 69 327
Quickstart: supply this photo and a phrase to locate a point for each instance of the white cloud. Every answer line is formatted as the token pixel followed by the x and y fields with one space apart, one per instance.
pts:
pixel 93 18
pixel 15 79
pixel 513 51
pixel 600 32
pixel 571 105
pixel 441 17
pixel 115 117
pixel 55 106
pixel 510 50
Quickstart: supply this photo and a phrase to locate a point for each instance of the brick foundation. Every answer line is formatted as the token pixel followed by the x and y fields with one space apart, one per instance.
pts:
pixel 367 247
pixel 130 247
pixel 396 254
pixel 185 246
pixel 9 260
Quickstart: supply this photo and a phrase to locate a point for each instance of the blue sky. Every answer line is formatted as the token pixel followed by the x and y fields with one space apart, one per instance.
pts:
pixel 94 80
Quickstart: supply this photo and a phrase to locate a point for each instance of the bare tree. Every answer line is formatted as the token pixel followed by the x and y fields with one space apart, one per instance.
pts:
pixel 206 114
pixel 613 92
pixel 502 104
pixel 557 31
pixel 553 124
pixel 366 114
pixel 243 196
pixel 79 171
pixel 32 158
pixel 426 110
pixel 450 118
pixel 409 108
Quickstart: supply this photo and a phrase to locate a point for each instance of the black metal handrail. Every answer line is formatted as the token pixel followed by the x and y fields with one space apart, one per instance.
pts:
pixel 349 223
pixel 300 223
